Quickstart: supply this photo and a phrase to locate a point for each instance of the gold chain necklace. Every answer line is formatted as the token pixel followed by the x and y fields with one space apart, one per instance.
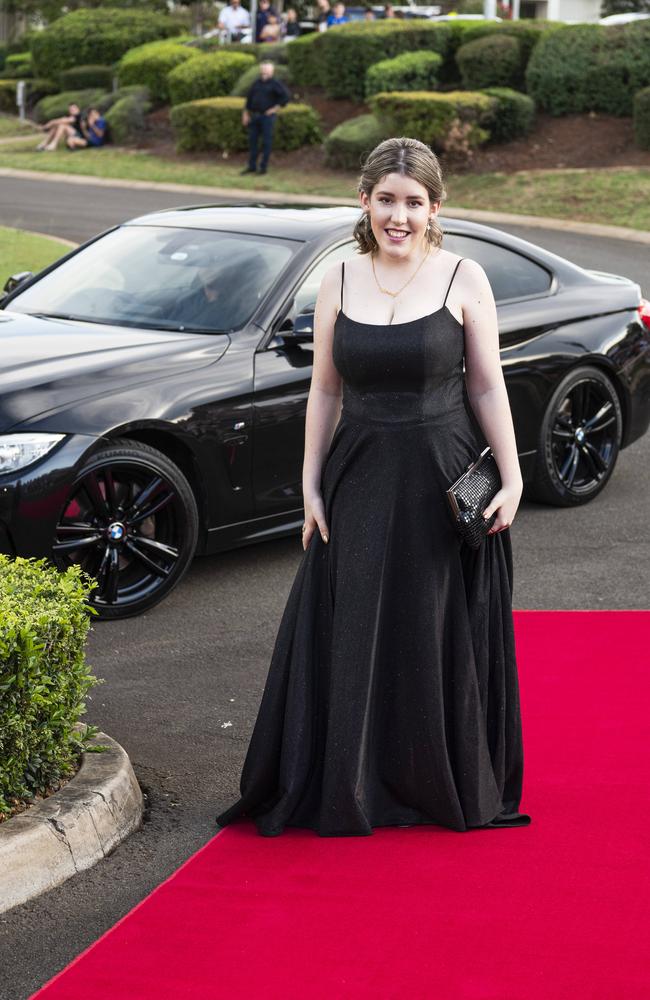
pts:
pixel 387 291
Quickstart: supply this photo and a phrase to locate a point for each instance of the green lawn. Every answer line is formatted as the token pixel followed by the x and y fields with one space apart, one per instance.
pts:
pixel 21 251
pixel 10 126
pixel 618 196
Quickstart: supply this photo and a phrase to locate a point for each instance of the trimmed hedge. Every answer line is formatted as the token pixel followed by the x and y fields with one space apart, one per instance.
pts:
pixel 410 71
pixel 493 61
pixel 57 105
pixel 590 67
pixel 277 52
pixel 245 81
pixel 429 116
pixel 44 621
pixel 39 88
pixel 149 65
pixel 8 96
pixel 347 145
pixel 111 97
pixel 19 66
pixel 642 118
pixel 215 123
pixel 83 77
pixel 126 118
pixel 346 54
pixel 208 76
pixel 527 32
pixel 93 37
pixel 302 57
pixel 513 114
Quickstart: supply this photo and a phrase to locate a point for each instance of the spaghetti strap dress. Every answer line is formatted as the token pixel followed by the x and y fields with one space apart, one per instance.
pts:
pixel 392 696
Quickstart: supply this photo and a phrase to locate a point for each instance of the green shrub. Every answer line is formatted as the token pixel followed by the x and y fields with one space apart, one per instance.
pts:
pixel 8 96
pixel 303 60
pixel 410 71
pixel 493 61
pixel 111 97
pixel 39 88
pixel 344 55
pixel 83 77
pixel 429 116
pixel 149 65
pixel 126 119
pixel 19 66
pixel 246 80
pixel 44 621
pixel 527 32
pixel 589 67
pixel 215 123
pixel 348 144
pixel 642 118
pixel 57 105
pixel 96 37
pixel 513 114
pixel 208 76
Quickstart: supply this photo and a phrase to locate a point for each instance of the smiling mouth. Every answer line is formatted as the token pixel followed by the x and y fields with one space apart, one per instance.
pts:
pixel 397 234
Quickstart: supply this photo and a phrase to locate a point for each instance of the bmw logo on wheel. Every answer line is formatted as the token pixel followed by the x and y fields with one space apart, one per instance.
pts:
pixel 116 532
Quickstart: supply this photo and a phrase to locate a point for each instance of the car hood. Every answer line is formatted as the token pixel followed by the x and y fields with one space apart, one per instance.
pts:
pixel 49 363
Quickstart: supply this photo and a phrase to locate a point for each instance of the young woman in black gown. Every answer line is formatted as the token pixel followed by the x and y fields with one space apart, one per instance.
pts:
pixel 392 697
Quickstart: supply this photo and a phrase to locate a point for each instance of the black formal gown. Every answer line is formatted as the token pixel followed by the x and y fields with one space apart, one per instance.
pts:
pixel 392 696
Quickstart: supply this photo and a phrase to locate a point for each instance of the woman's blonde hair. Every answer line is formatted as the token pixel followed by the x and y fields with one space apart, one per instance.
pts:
pixel 408 157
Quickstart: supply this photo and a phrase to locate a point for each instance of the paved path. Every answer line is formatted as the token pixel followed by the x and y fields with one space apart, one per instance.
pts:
pixel 176 675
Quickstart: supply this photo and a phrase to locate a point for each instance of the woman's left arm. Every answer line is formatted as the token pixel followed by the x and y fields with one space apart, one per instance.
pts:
pixel 486 388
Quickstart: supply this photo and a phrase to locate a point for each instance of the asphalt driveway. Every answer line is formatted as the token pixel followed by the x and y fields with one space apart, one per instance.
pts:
pixel 183 683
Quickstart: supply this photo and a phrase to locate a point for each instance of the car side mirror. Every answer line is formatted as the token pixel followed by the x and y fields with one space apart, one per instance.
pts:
pixel 300 330
pixel 12 283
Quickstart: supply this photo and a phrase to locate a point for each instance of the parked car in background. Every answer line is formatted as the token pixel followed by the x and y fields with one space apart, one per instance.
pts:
pixel 155 380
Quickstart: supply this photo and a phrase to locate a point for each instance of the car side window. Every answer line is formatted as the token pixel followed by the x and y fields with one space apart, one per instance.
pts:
pixel 304 301
pixel 511 275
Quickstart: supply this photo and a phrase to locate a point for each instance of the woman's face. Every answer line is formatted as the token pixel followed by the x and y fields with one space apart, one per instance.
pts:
pixel 399 212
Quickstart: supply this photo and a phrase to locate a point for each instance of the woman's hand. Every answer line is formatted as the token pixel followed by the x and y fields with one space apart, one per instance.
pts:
pixel 505 502
pixel 314 518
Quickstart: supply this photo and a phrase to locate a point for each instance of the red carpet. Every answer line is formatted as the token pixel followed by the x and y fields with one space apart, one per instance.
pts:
pixel 555 910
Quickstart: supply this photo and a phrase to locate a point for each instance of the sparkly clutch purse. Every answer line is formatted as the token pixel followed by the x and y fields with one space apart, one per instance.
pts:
pixel 469 496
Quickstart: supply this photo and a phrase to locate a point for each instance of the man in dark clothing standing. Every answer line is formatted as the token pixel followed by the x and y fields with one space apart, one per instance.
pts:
pixel 259 115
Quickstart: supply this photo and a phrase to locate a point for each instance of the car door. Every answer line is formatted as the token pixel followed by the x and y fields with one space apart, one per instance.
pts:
pixel 282 380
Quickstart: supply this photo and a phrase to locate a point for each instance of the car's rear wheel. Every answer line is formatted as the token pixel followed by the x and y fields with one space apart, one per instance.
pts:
pixel 579 439
pixel 131 522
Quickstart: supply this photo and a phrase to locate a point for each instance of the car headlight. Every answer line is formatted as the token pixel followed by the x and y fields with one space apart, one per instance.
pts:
pixel 19 450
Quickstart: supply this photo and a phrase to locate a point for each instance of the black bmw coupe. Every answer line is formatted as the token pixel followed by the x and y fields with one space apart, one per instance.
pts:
pixel 154 383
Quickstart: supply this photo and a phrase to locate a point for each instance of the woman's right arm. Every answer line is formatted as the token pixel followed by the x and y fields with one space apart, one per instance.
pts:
pixel 323 405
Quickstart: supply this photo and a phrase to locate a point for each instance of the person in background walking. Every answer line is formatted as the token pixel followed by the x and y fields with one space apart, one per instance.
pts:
pixel 233 19
pixel 338 15
pixel 264 98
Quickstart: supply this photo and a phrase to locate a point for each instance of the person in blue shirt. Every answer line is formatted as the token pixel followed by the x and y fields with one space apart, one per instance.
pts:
pixel 94 131
pixel 338 15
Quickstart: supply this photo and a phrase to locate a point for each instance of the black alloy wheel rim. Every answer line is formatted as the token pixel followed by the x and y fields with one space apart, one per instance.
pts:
pixel 584 436
pixel 123 524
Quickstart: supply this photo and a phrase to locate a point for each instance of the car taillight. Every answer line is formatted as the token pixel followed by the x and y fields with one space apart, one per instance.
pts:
pixel 644 313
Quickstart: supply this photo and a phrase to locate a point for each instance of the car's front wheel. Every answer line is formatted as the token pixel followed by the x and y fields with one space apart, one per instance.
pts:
pixel 579 439
pixel 131 522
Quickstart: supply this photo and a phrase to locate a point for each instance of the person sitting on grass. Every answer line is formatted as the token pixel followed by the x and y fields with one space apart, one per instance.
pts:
pixel 58 128
pixel 94 132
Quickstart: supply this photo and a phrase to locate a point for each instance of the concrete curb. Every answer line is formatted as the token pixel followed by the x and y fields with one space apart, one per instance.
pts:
pixel 277 197
pixel 72 829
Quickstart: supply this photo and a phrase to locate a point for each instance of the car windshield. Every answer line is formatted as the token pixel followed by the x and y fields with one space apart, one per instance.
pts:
pixel 191 280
